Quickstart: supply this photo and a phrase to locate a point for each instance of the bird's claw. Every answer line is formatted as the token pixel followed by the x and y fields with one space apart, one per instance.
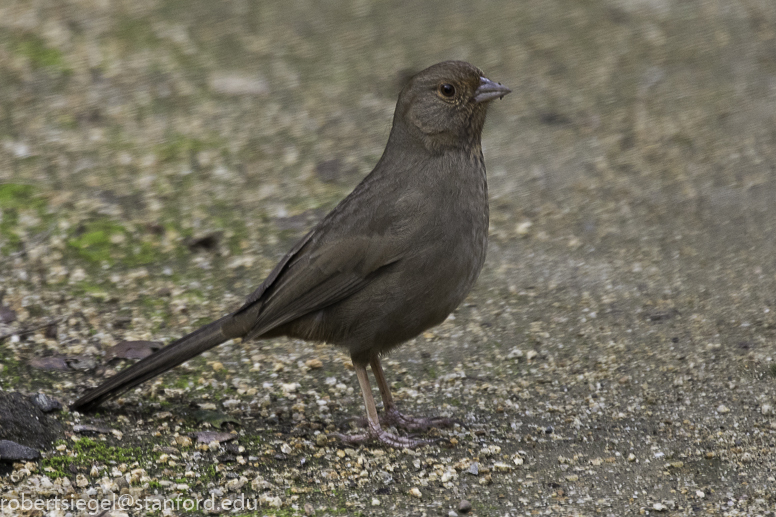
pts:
pixel 375 433
pixel 393 417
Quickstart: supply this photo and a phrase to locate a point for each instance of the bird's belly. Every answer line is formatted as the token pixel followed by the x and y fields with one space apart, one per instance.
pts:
pixel 419 295
pixel 417 292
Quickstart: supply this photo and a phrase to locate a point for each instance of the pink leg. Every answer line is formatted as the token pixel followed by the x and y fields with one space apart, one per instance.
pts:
pixel 392 415
pixel 374 431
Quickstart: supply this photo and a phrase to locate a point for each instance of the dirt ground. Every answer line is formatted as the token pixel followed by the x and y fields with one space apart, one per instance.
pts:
pixel 616 357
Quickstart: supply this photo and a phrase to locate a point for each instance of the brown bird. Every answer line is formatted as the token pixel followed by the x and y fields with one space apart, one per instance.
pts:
pixel 394 258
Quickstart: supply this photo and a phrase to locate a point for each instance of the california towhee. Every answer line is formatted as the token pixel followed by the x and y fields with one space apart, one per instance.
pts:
pixel 392 259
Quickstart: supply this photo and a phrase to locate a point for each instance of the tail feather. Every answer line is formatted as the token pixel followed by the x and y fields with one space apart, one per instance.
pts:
pixel 159 362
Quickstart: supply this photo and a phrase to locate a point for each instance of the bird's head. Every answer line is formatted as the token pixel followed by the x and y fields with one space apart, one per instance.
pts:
pixel 444 106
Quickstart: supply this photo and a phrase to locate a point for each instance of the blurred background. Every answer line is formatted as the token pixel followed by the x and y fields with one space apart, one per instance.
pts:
pixel 157 157
pixel 632 121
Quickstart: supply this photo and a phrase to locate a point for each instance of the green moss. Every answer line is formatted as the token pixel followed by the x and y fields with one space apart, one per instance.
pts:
pixel 104 241
pixel 41 56
pixel 9 376
pixel 96 291
pixel 184 381
pixel 87 452
pixel 283 512
pixel 93 241
pixel 67 121
pixel 179 147
pixel 14 199
pixel 12 195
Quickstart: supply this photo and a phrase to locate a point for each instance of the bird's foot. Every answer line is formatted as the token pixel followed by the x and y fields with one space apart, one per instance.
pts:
pixel 377 434
pixel 394 417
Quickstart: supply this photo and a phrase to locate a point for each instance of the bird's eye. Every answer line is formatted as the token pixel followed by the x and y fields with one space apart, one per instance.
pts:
pixel 447 90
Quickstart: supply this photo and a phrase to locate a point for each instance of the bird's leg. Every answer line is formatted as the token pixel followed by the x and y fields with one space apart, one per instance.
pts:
pixel 392 415
pixel 373 430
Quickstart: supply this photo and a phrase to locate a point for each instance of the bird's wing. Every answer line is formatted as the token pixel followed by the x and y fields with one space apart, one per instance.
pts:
pixel 313 276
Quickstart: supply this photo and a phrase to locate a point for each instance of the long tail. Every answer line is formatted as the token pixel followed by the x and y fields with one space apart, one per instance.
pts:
pixel 159 362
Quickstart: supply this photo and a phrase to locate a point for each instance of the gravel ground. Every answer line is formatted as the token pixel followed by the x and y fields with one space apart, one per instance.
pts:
pixel 157 157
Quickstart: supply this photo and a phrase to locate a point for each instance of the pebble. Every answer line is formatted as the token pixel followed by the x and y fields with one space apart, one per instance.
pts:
pixel 464 506
pixel 385 477
pixel 523 228
pixel 45 403
pixel 515 353
pixel 415 492
pixel 500 466
pixel 314 364
pixel 183 441
pixel 12 451
pixel 233 84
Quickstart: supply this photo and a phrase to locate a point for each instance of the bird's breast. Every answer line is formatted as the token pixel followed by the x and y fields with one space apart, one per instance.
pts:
pixel 459 231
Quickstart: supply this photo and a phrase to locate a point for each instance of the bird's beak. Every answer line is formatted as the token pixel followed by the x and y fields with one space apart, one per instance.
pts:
pixel 488 90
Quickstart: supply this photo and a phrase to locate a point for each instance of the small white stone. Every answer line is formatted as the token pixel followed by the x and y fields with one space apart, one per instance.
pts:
pixel 236 83
pixel 523 227
pixel 515 353
pixel 291 387
pixel 78 275
pixel 414 492
pixel 233 485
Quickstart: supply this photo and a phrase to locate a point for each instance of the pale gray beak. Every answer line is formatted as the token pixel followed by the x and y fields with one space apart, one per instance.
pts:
pixel 488 90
